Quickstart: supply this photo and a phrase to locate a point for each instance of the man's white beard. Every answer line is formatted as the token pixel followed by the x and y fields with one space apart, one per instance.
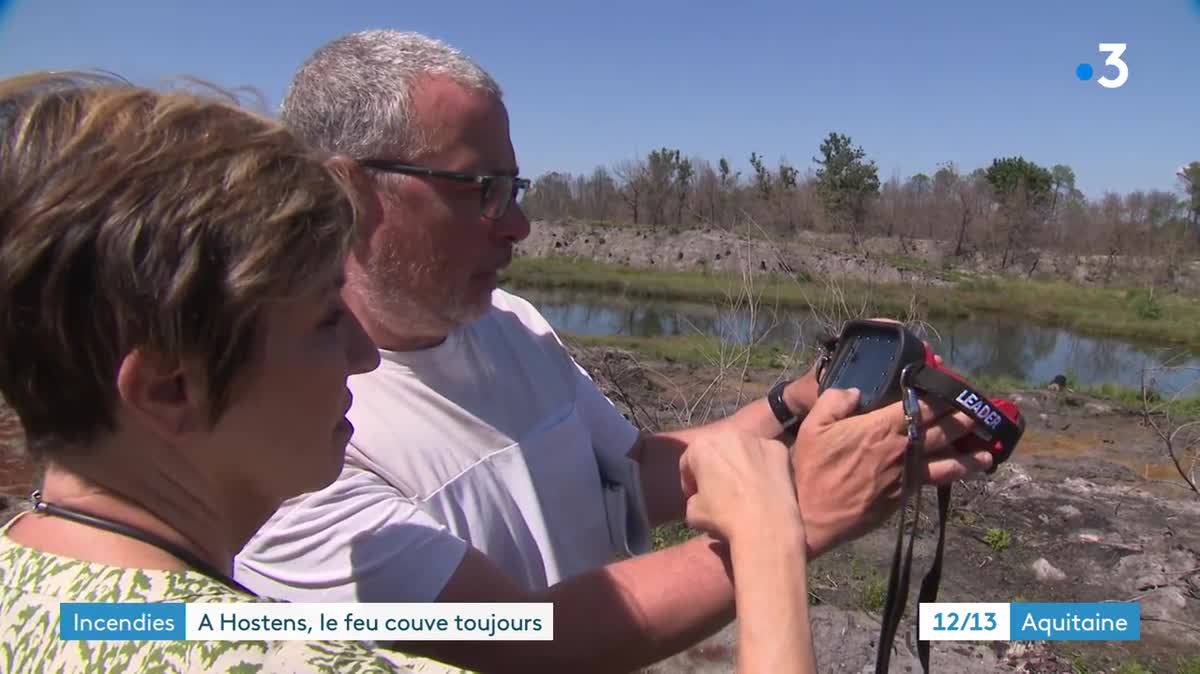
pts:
pixel 392 301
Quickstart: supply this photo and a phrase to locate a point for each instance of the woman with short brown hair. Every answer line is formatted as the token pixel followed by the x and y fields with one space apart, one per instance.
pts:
pixel 173 340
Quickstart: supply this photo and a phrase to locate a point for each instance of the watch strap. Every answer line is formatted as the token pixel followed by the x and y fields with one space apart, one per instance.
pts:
pixel 785 416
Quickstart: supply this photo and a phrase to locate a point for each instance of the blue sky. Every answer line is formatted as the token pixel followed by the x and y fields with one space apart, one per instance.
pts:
pixel 915 83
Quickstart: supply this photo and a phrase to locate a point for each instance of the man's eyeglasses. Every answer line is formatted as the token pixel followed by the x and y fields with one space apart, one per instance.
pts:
pixel 498 191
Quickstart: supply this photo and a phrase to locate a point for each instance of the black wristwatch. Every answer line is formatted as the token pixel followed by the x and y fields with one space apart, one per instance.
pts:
pixel 785 416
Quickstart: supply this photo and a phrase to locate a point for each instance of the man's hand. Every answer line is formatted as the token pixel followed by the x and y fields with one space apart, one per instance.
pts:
pixel 801 395
pixel 659 454
pixel 849 469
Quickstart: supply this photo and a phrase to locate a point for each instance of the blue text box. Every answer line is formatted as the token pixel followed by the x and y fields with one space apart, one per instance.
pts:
pixel 1078 621
pixel 132 621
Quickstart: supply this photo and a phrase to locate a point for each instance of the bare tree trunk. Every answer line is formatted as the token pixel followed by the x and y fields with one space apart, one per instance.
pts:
pixel 962 232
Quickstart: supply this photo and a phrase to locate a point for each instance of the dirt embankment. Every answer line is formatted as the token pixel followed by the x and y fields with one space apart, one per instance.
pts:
pixel 833 256
pixel 1089 509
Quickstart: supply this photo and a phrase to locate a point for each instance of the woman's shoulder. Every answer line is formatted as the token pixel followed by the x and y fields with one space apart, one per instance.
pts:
pixel 34 585
pixel 42 650
pixel 337 656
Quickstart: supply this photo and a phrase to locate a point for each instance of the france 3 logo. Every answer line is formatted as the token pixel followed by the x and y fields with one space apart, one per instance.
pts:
pixel 1085 72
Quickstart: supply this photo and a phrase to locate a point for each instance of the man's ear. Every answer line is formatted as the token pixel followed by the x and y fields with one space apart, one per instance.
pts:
pixel 163 396
pixel 363 193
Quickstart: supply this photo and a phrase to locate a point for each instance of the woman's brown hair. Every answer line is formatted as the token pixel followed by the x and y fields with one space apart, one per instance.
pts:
pixel 139 219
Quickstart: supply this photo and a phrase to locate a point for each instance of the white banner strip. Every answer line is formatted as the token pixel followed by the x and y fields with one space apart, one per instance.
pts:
pixel 949 621
pixel 372 622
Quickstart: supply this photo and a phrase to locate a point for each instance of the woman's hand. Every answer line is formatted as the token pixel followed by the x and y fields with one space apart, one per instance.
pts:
pixel 738 489
pixel 733 481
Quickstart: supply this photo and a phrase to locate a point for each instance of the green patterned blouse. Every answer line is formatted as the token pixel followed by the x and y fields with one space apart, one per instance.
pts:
pixel 33 583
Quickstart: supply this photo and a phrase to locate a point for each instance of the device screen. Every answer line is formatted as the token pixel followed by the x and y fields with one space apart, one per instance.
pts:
pixel 866 366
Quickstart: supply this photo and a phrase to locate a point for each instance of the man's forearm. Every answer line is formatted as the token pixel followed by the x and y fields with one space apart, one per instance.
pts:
pixel 620 618
pixel 756 418
pixel 669 601
pixel 658 454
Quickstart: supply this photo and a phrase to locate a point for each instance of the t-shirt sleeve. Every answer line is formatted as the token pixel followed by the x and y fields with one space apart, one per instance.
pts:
pixel 357 541
pixel 612 434
pixel 612 437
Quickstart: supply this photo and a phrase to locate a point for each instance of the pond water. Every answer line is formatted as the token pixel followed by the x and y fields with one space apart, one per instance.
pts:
pixel 997 346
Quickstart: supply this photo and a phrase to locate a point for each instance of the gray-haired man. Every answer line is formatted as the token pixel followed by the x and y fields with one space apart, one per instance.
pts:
pixel 485 464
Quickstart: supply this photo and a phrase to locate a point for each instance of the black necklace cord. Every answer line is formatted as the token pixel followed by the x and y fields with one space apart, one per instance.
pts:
pixel 179 552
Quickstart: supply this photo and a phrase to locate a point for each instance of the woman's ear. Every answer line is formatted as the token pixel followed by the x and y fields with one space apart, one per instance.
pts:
pixel 163 396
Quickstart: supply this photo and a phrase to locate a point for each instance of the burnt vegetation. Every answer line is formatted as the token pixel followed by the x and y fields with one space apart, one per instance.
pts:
pixel 1008 208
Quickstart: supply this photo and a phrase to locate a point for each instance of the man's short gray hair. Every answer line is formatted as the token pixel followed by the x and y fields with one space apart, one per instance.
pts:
pixel 353 96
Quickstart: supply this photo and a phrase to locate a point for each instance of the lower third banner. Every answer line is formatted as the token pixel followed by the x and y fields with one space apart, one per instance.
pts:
pixel 304 621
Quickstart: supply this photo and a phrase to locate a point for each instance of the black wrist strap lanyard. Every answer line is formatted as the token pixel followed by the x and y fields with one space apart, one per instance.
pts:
pixel 937 383
pixel 179 552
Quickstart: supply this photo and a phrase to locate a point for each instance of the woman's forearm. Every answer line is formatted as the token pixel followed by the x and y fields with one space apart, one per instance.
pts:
pixel 770 570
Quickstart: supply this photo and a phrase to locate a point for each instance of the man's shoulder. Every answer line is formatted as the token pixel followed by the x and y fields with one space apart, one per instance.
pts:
pixel 507 305
pixel 358 537
pixel 507 300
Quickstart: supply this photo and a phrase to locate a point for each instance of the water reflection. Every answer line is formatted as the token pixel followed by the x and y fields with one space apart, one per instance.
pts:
pixel 992 346
pixel 601 315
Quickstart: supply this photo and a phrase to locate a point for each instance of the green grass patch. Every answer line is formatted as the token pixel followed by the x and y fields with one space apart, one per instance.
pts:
pixel 903 262
pixel 614 224
pixel 586 274
pixel 1129 397
pixel 1133 314
pixel 872 594
pixel 964 517
pixel 994 384
pixel 1117 312
pixel 1186 407
pixel 1144 305
pixel 1078 664
pixel 771 291
pixel 1188 665
pixel 666 535
pixel 997 539
pixel 869 589
pixel 1132 667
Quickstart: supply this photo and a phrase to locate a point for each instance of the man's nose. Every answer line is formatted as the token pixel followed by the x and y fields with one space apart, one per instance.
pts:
pixel 514 226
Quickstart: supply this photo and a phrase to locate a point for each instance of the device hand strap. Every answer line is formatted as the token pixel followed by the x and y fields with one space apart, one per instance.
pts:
pixel 898 581
pixel 898 578
pixel 897 596
pixel 929 586
pixel 1005 432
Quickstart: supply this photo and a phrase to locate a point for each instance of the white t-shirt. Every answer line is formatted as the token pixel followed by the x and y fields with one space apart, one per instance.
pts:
pixel 495 438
